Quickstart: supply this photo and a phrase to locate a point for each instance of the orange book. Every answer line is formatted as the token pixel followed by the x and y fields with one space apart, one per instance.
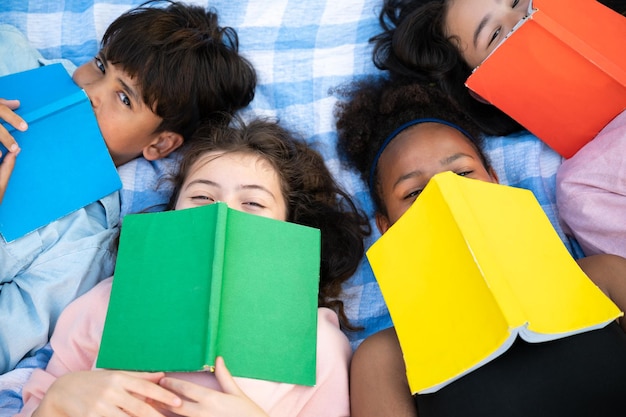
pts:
pixel 561 73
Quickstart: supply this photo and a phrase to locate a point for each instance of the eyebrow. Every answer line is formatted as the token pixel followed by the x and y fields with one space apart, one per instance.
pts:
pixel 448 160
pixel 244 187
pixel 479 29
pixel 127 89
pixel 131 91
pixel 445 161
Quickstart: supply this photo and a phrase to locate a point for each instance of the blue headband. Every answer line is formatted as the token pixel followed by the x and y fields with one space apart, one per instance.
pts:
pixel 397 131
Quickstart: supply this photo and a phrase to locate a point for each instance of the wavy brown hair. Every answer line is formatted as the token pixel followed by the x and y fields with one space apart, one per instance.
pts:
pixel 313 197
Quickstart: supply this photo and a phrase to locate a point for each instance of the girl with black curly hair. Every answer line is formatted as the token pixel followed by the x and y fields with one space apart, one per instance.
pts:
pixel 397 136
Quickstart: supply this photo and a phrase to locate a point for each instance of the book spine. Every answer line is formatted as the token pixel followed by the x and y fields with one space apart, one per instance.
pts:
pixel 216 285
pixel 482 247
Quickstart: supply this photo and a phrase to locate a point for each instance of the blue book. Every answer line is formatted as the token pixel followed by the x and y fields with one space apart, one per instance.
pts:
pixel 64 163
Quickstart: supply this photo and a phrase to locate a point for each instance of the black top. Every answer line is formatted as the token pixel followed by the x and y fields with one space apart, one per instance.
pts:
pixel 578 376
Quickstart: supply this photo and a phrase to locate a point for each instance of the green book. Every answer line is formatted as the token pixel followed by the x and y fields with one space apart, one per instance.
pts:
pixel 194 284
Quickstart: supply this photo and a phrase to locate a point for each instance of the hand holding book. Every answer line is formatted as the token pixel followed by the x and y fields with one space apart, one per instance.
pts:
pixel 64 163
pixel 8 158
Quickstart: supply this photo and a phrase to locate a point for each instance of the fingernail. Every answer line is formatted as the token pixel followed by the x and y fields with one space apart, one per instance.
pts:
pixel 23 126
pixel 14 148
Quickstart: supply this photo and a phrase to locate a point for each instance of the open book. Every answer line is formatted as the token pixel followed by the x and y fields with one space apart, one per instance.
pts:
pixel 193 284
pixel 471 266
pixel 64 163
pixel 561 73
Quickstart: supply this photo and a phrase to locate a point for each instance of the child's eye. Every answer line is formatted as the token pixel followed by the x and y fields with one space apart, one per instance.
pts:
pixel 202 198
pixel 124 99
pixel 99 64
pixel 464 173
pixel 495 35
pixel 413 194
pixel 515 3
pixel 254 204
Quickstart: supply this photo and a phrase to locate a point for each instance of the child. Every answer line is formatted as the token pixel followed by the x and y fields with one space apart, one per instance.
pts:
pixel 160 72
pixel 398 136
pixel 260 169
pixel 442 41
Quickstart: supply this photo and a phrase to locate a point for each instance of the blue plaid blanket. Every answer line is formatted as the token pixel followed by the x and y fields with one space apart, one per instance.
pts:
pixel 301 49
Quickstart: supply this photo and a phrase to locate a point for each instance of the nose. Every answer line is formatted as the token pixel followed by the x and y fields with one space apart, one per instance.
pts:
pixel 92 92
pixel 229 201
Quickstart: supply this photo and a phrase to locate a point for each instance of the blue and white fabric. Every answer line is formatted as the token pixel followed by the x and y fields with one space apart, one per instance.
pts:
pixel 301 50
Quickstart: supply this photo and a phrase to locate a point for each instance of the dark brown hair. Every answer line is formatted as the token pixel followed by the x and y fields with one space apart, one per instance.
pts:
pixel 187 67
pixel 414 44
pixel 313 197
pixel 371 109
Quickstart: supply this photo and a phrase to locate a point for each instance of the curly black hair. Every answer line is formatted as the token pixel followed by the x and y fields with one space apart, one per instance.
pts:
pixel 372 108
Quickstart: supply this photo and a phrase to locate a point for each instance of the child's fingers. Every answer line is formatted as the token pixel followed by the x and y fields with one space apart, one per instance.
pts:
pixel 154 392
pixel 226 380
pixel 8 115
pixel 6 168
pixel 11 104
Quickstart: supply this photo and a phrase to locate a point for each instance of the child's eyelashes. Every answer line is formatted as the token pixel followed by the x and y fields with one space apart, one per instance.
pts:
pixel 413 194
pixel 124 99
pixel 254 204
pixel 202 198
pixel 494 36
pixel 99 64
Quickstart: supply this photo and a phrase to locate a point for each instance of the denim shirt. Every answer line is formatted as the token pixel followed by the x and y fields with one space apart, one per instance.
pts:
pixel 44 271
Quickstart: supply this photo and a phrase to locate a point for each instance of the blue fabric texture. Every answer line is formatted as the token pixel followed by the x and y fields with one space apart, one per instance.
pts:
pixel 301 50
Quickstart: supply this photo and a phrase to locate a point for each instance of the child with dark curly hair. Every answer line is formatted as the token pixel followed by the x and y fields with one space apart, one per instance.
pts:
pixel 397 136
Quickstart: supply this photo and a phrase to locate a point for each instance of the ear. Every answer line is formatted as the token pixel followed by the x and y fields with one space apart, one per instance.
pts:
pixel 164 144
pixel 382 222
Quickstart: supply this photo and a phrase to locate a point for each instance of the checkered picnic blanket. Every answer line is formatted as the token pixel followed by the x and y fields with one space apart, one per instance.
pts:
pixel 301 50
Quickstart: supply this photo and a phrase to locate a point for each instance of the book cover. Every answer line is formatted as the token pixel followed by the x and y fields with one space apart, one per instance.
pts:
pixel 561 73
pixel 193 284
pixel 64 163
pixel 469 267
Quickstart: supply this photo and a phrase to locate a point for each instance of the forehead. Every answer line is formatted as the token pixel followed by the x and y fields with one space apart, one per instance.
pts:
pixel 462 18
pixel 420 146
pixel 225 161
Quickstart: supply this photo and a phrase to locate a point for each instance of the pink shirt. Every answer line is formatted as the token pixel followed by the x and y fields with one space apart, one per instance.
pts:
pixel 591 192
pixel 76 341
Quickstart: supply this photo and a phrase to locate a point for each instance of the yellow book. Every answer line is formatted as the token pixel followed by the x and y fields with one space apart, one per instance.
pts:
pixel 469 267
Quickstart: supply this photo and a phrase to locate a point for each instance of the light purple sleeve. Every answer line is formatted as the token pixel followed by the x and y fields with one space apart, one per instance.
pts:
pixel 591 192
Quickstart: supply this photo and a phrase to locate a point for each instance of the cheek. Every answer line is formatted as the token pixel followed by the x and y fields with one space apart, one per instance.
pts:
pixel 180 205
pixel 114 139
